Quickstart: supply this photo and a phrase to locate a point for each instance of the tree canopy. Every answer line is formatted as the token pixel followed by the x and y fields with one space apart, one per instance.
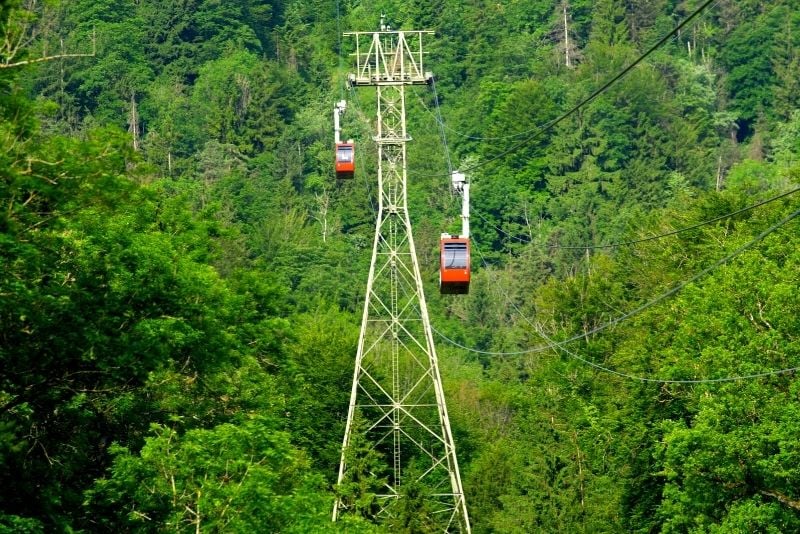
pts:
pixel 183 277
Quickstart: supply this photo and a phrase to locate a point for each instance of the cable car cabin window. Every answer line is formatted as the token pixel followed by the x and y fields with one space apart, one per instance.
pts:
pixel 345 160
pixel 455 256
pixel 344 154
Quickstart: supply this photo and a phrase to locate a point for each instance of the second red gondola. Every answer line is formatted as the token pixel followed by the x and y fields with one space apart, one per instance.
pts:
pixel 454 268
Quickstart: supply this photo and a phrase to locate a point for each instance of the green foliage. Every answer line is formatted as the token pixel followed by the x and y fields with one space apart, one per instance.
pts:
pixel 746 57
pixel 238 102
pixel 12 524
pixel 178 314
pixel 364 478
pixel 230 478
pixel 319 365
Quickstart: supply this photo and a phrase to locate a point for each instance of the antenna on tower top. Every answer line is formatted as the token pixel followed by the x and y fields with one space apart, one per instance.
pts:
pixel 383 22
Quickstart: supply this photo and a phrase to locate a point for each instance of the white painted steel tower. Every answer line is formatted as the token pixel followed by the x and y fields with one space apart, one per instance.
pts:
pixel 397 406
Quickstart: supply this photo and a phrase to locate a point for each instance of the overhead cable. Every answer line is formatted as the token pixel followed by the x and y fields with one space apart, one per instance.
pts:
pixel 440 122
pixel 649 304
pixel 644 239
pixel 500 137
pixel 539 131
pixel 556 345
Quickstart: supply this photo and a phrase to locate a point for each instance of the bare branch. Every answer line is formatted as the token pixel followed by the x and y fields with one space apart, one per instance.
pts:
pixel 42 59
pixel 21 32
pixel 783 499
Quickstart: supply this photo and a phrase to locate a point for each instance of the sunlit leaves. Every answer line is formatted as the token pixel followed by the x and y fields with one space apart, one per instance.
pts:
pixel 232 478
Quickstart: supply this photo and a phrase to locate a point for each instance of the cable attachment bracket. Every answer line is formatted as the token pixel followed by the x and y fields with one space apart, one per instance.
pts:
pixel 461 187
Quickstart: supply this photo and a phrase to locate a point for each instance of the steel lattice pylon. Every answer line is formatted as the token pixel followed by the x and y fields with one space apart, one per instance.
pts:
pixel 397 408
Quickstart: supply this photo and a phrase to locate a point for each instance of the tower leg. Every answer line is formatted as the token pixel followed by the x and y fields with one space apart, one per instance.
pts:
pixel 397 407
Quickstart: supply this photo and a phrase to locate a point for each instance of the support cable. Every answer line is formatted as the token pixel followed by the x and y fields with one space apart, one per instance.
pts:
pixel 537 132
pixel 439 120
pixel 644 239
pixel 559 345
pixel 649 304
pixel 343 85
pixel 437 117
pixel 440 123
pixel 360 158
pixel 551 344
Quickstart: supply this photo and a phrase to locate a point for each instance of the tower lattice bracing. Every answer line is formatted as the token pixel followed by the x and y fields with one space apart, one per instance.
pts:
pixel 397 414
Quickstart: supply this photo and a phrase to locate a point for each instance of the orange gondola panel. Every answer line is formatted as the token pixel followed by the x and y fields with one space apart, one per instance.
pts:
pixel 454 269
pixel 345 160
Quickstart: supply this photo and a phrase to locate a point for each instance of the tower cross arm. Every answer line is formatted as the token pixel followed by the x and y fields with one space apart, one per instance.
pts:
pixel 389 58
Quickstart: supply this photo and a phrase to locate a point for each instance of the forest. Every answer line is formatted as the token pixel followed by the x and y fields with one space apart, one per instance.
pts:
pixel 183 276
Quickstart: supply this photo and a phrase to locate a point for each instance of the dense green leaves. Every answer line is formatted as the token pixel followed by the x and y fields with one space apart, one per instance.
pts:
pixel 230 478
pixel 182 278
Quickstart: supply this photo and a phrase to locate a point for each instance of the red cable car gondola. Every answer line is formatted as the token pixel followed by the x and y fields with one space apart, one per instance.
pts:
pixel 454 268
pixel 345 160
